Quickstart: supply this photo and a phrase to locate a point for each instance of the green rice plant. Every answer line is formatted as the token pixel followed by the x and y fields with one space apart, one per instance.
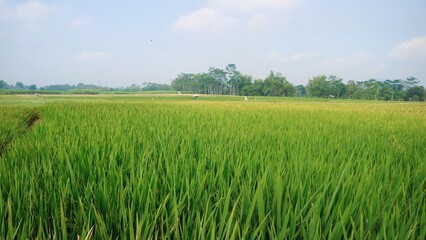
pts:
pixel 198 169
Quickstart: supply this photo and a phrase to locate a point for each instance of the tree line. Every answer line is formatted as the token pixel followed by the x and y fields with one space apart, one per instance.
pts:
pixel 146 86
pixel 232 82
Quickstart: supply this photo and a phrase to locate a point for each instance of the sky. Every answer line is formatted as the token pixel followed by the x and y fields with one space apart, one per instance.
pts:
pixel 119 43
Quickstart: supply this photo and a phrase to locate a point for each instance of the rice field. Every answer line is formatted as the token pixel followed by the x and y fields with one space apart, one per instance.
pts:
pixel 179 168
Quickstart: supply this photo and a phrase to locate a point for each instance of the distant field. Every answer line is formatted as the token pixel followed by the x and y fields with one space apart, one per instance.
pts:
pixel 217 167
pixel 41 99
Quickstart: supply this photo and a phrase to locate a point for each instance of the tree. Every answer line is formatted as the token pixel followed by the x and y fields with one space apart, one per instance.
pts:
pixel 4 85
pixel 335 86
pixel 410 82
pixel 233 79
pixel 215 81
pixel 386 91
pixel 300 91
pixel 351 89
pixel 318 86
pixel 274 85
pixel 289 89
pixel 150 86
pixel 219 80
pixel 373 89
pixel 33 87
pixel 133 88
pixel 416 93
pixel 184 82
pixel 254 89
pixel 59 87
pixel 19 85
pixel 245 81
pixel 391 90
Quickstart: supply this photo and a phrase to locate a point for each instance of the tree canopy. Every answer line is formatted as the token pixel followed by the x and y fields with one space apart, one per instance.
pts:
pixel 230 81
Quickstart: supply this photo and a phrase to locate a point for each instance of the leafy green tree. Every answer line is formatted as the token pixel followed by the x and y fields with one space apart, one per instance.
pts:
pixel 234 79
pixel 416 93
pixel 4 85
pixel 300 91
pixel 277 85
pixel 184 82
pixel 386 91
pixel 245 81
pixel 254 89
pixel 19 85
pixel 410 82
pixel 274 85
pixel 373 89
pixel 219 80
pixel 321 86
pixel 398 88
pixel 150 86
pixel 204 83
pixel 87 86
pixel 59 87
pixel 132 88
pixel 351 89
pixel 33 87
pixel 335 86
pixel 318 86
pixel 289 89
pixel 361 92
pixel 391 90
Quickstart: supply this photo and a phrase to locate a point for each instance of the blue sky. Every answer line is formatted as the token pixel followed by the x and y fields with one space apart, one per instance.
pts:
pixel 118 43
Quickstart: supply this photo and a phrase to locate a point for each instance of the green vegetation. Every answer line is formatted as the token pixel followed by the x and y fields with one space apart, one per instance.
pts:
pixel 172 166
pixel 14 123
pixel 230 81
pixel 81 88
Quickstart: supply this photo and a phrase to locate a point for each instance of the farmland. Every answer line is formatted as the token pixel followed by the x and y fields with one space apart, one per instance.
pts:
pixel 171 166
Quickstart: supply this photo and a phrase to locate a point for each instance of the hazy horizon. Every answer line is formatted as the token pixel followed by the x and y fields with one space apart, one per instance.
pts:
pixel 115 44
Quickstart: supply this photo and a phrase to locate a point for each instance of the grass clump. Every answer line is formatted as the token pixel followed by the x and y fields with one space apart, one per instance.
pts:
pixel 14 123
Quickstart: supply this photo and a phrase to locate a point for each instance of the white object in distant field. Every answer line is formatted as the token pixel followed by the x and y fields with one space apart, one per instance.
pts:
pixel 179 92
pixel 245 98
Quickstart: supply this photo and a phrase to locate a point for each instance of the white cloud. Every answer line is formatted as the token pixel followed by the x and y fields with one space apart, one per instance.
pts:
pixel 212 17
pixel 355 60
pixel 259 20
pixel 250 5
pixel 205 19
pixel 362 56
pixel 333 63
pixel 378 69
pixel 358 65
pixel 31 11
pixel 303 56
pixel 275 56
pixel 415 47
pixel 297 57
pixel 92 56
pixel 79 22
